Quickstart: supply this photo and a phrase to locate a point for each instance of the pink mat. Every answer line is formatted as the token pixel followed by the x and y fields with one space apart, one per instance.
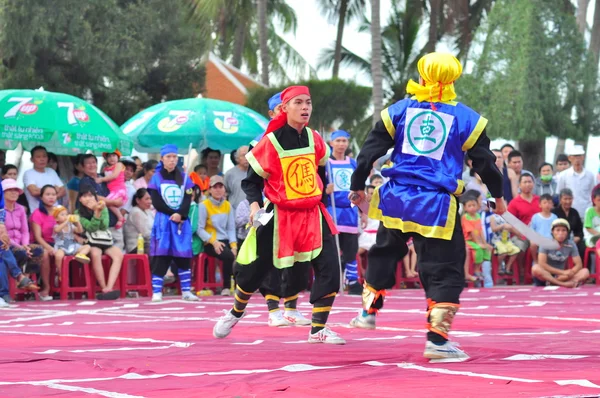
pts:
pixel 528 342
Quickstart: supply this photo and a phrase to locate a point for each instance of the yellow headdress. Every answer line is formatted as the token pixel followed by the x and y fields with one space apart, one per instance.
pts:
pixel 439 71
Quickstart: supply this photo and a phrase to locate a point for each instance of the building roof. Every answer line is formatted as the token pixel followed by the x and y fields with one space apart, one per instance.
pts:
pixel 227 83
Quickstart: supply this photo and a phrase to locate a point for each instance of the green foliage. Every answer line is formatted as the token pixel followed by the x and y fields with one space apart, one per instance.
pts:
pixel 533 77
pixel 335 103
pixel 124 55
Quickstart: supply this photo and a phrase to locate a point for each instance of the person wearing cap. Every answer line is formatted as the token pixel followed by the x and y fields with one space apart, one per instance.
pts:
pixel 340 169
pixel 40 176
pixel 288 163
pixel 552 264
pixel 114 177
pixel 171 240
pixel 579 180
pixel 216 228
pixel 430 134
pixel 274 110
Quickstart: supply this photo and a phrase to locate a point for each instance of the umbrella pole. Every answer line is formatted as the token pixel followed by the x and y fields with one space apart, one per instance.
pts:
pixel 337 236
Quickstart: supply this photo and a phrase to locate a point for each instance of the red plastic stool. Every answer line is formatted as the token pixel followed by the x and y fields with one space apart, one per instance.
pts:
pixel 586 257
pixel 402 278
pixel 81 282
pixel 143 278
pixel 206 267
pixel 13 290
pixel 513 279
pixel 106 264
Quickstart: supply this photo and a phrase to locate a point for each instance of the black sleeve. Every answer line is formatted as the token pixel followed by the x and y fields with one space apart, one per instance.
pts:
pixel 322 171
pixel 159 204
pixel 484 164
pixel 253 186
pixel 184 209
pixel 577 227
pixel 377 144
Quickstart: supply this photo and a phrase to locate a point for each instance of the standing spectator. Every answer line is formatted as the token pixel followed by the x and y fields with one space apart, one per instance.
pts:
pixel 234 177
pixel 94 217
pixel 139 222
pixel 510 180
pixel 138 164
pixel 242 218
pixel 566 211
pixel 129 172
pixel 578 180
pixel 212 159
pixel 476 184
pixel 545 183
pixel 88 183
pixel 17 228
pixel 506 149
pixel 542 222
pixel 73 183
pixel 42 223
pixel 40 176
pixel 524 206
pixel 562 163
pixel 10 171
pixel 146 175
pixel 515 162
pixel 216 228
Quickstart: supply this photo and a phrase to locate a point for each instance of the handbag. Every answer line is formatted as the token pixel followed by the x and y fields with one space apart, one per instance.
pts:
pixel 100 239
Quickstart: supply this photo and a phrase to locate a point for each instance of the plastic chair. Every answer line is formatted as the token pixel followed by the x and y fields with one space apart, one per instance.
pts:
pixel 513 279
pixel 143 278
pixel 205 269
pixel 586 257
pixel 14 291
pixel 76 278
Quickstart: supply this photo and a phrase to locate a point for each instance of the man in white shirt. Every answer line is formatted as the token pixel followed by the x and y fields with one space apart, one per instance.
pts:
pixel 578 180
pixel 36 178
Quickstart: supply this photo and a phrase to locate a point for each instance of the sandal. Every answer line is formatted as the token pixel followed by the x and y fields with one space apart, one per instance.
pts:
pixel 119 224
pixel 109 295
pixel 27 284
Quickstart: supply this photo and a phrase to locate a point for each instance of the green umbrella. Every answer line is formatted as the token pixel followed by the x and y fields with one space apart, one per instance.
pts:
pixel 64 124
pixel 198 121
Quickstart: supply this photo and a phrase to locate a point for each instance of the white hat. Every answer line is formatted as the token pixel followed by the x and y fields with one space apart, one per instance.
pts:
pixel 576 151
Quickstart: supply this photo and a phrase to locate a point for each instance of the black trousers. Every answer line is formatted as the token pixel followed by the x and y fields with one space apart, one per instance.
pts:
pixel 349 247
pixel 226 257
pixel 295 279
pixel 440 262
pixel 160 264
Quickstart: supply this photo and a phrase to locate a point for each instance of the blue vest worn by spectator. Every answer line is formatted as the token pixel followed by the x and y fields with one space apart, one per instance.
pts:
pixel 427 166
pixel 341 174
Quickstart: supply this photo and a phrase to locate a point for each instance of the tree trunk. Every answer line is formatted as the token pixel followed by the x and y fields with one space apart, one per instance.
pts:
pixel 238 46
pixel 376 68
pixel 582 7
pixel 466 30
pixel 337 57
pixel 434 20
pixel 262 34
pixel 595 39
pixel 534 154
pixel 560 148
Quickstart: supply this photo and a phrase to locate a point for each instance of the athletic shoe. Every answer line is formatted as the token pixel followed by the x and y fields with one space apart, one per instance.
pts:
pixel 276 319
pixel 156 297
pixel 448 350
pixel 326 336
pixel 363 322
pixel 189 296
pixel 225 292
pixel 225 324
pixel 355 289
pixel 295 317
pixel 3 304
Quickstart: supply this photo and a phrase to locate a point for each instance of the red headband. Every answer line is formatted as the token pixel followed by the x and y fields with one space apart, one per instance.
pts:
pixel 286 96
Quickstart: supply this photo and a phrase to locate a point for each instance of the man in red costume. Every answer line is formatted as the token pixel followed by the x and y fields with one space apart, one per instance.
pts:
pixel 289 164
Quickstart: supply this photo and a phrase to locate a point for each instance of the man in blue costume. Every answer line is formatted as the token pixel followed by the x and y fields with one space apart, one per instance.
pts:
pixel 171 239
pixel 340 169
pixel 430 134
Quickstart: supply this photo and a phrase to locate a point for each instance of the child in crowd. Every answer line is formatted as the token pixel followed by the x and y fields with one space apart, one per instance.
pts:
pixel 376 180
pixel 65 239
pixel 369 226
pixel 410 260
pixel 114 177
pixel 552 264
pixel 542 222
pixel 473 231
pixel 506 250
pixel 591 224
pixel 201 179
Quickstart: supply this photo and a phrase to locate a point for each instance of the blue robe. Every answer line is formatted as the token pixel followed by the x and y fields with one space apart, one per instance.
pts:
pixel 341 174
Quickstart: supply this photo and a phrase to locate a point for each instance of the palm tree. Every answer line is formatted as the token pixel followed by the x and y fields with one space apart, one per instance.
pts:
pixel 342 12
pixel 376 68
pixel 262 38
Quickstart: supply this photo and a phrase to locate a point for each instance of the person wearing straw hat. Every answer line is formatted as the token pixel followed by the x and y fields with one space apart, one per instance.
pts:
pixel 288 163
pixel 430 134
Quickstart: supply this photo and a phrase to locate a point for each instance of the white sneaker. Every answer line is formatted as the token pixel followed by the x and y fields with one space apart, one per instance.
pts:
pixel 225 292
pixel 363 322
pixel 225 324
pixel 326 336
pixel 276 318
pixel 295 317
pixel 3 304
pixel 448 350
pixel 188 296
pixel 156 297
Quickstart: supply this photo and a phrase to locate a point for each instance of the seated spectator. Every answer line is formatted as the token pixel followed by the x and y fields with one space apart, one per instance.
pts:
pixel 542 222
pixel 11 171
pixel 8 265
pixel 234 177
pixel 410 260
pixel 474 237
pixel 552 264
pixel 17 228
pixel 592 221
pixel 197 246
pixel 242 219
pixel 506 250
pixel 67 241
pixel 138 164
pixel 42 224
pixel 216 228
pixel 524 206
pixel 200 178
pixel 369 226
pixel 40 176
pixel 94 217
pixel 566 211
pixel 73 183
pixel 545 183
pixel 145 175
pixel 139 222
